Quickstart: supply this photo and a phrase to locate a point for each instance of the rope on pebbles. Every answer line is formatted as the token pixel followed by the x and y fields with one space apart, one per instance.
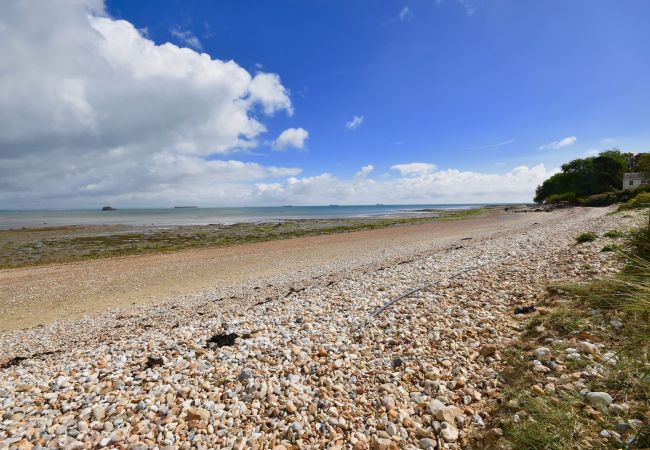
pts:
pixel 389 303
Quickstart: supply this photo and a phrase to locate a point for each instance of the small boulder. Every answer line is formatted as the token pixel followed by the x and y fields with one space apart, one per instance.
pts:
pixel 449 432
pixel 426 443
pixel 599 399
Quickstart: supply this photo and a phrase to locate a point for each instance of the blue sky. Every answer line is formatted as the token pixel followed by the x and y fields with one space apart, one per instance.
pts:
pixel 224 103
pixel 439 85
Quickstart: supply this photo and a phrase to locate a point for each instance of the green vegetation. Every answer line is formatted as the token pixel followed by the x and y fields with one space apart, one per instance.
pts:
pixel 586 237
pixel 641 200
pixel 609 248
pixel 586 180
pixel 65 244
pixel 614 234
pixel 614 312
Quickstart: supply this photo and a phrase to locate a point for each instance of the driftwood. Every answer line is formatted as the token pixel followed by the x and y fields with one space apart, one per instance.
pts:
pixel 421 288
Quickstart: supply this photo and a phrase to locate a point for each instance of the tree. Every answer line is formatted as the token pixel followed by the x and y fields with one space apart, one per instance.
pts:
pixel 588 176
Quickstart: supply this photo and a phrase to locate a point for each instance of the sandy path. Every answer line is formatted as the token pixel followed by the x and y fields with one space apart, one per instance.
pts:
pixel 41 295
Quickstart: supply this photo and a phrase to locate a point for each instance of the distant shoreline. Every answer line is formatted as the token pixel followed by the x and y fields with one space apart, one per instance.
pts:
pixel 61 244
pixel 189 216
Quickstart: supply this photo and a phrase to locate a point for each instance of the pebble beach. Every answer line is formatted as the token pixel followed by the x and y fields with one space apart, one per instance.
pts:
pixel 299 360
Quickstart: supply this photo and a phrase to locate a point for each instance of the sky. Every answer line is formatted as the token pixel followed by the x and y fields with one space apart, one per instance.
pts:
pixel 236 102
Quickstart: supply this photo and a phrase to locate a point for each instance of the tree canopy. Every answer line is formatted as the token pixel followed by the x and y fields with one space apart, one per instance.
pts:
pixel 593 175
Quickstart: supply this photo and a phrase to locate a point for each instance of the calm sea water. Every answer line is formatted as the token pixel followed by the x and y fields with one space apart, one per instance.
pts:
pixel 201 216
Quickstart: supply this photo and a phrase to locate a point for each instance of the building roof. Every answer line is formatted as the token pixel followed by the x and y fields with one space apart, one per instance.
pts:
pixel 634 176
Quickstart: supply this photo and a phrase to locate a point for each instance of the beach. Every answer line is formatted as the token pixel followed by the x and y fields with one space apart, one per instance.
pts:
pixel 33 296
pixel 272 344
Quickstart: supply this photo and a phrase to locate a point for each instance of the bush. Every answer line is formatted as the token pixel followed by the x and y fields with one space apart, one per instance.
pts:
pixel 615 234
pixel 641 200
pixel 565 197
pixel 586 237
pixel 609 248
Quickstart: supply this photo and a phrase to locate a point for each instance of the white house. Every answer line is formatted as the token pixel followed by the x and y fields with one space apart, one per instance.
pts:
pixel 632 180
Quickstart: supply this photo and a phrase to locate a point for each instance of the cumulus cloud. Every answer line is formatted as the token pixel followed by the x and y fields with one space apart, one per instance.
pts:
pixel 291 137
pixel 556 145
pixel 185 37
pixel 365 170
pixel 354 123
pixel 442 186
pixel 415 168
pixel 92 110
pixel 405 13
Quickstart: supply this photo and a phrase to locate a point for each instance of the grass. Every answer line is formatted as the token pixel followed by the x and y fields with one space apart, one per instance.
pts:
pixel 614 234
pixel 19 248
pixel 586 237
pixel 585 311
pixel 609 248
pixel 547 425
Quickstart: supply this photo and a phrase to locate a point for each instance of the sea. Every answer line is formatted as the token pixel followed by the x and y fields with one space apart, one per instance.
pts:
pixel 13 219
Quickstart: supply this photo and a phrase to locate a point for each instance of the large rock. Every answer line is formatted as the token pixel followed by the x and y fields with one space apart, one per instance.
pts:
pixel 443 413
pixel 197 414
pixel 449 433
pixel 599 399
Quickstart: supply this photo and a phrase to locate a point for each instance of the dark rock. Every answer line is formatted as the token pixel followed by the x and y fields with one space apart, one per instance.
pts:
pixel 223 339
pixel 525 309
pixel 153 361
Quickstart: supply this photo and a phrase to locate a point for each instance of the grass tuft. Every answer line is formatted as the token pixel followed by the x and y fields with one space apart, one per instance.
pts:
pixel 586 237
pixel 614 234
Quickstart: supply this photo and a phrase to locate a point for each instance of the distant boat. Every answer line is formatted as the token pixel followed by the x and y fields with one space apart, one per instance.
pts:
pixel 379 204
pixel 287 206
pixel 334 205
pixel 179 207
pixel 108 208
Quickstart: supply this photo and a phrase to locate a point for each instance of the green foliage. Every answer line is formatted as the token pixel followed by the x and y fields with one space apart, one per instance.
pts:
pixel 609 248
pixel 558 198
pixel 548 425
pixel 614 234
pixel 643 163
pixel 586 237
pixel 641 200
pixel 589 176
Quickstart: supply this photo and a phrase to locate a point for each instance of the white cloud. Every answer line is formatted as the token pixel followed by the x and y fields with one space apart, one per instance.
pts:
pixel 354 123
pixel 365 170
pixel 443 186
pixel 185 37
pixel 405 13
pixel 291 137
pixel 97 111
pixel 556 145
pixel 415 168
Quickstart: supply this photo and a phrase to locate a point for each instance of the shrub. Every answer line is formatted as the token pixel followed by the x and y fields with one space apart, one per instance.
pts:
pixel 641 200
pixel 615 234
pixel 565 197
pixel 609 248
pixel 586 237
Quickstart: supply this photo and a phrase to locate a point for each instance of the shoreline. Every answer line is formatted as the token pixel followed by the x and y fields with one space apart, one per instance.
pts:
pixel 38 295
pixel 28 247
pixel 300 340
